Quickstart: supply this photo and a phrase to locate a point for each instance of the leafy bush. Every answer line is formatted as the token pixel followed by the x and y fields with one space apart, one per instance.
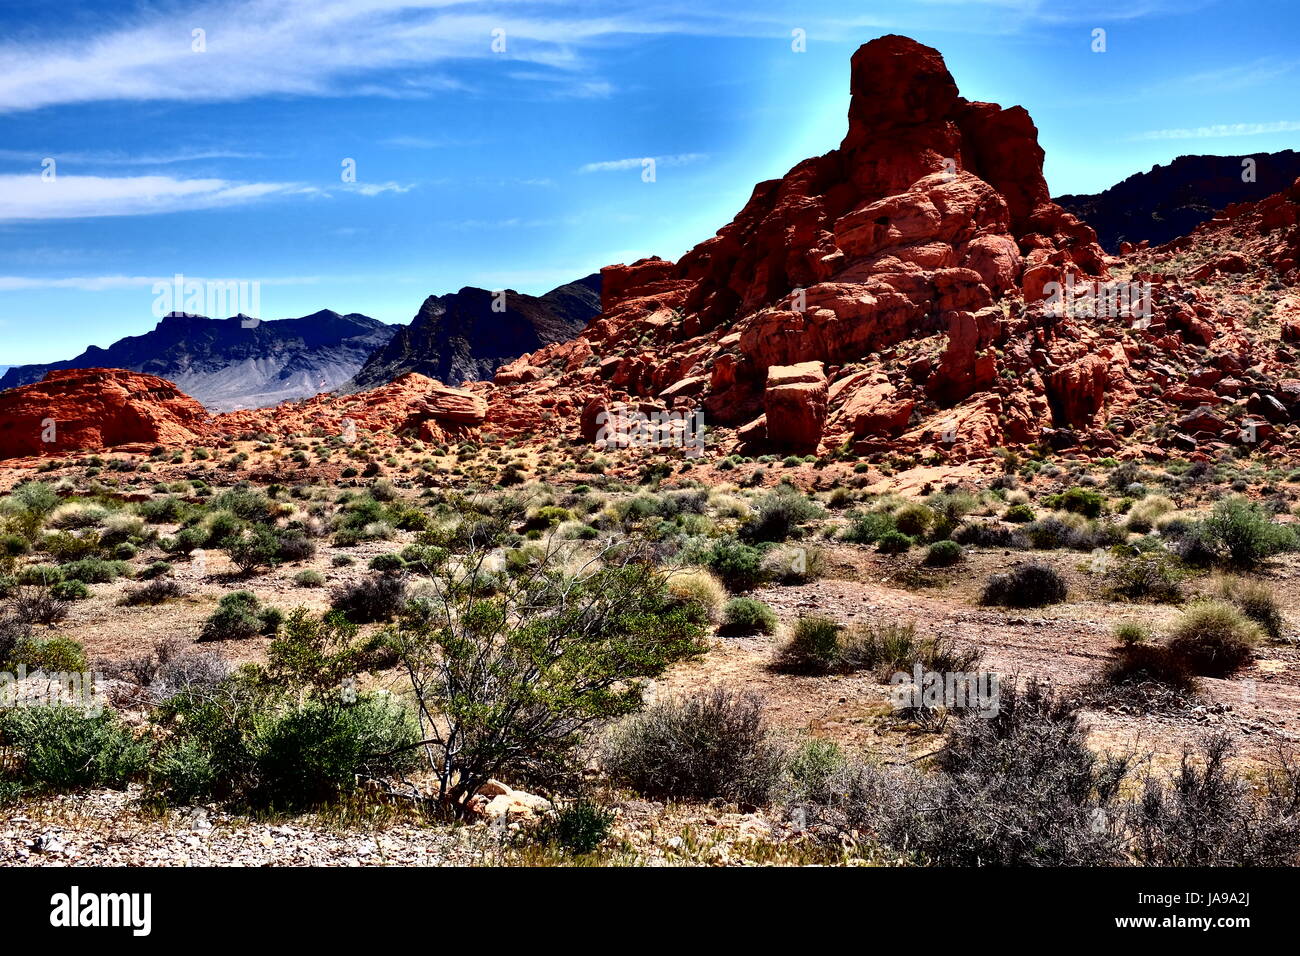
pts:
pixel 1214 638
pixel 309 579
pixel 239 616
pixel 1025 585
pixel 893 542
pixel 1243 534
pixel 73 590
pixel 914 520
pixel 943 554
pixel 1019 514
pixel 153 592
pixel 580 827
pixel 378 597
pixel 1151 575
pixel 813 647
pixel 713 745
pixel 1257 601
pixel 744 615
pixel 66 749
pixel 53 655
pixel 94 571
pixel 867 527
pixel 740 566
pixel 1082 501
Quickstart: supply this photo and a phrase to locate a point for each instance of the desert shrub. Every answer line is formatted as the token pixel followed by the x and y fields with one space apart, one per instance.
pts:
pixel 1020 788
pixel 699 592
pixel 154 592
pixel 713 745
pixel 744 615
pixel 247 504
pixel 579 827
pixel 509 678
pixel 888 649
pixel 378 597
pixel 984 534
pixel 793 564
pixel 1151 575
pixel 812 768
pixel 254 548
pixel 1048 534
pixel 1019 514
pixel 1215 639
pixel 867 527
pixel 1243 534
pixel 1144 514
pixel 57 654
pixel 94 571
pixel 389 563
pixel 184 771
pixel 1209 814
pixel 1142 663
pixel 13 632
pixel 943 554
pixel 813 647
pixel 1132 632
pixel 64 748
pixel 779 514
pixel 309 579
pixel 155 570
pixel 1081 501
pixel 37 604
pixel 1256 600
pixel 239 616
pixel 70 591
pixel 914 520
pixel 893 542
pixel 740 566
pixel 1026 585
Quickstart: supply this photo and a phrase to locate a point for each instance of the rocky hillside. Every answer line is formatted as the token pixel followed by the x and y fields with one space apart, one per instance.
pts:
pixel 894 298
pixel 227 365
pixel 467 335
pixel 1170 201
pixel 85 409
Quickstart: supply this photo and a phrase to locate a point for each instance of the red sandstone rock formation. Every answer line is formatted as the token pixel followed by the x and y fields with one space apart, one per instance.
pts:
pixel 94 409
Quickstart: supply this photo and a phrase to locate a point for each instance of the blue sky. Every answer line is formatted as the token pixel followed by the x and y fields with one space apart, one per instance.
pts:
pixel 521 168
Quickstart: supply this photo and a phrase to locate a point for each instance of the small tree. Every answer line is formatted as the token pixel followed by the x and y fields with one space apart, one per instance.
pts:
pixel 508 670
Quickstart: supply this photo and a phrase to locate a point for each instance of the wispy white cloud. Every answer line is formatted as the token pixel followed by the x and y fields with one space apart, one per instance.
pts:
pixel 106 158
pixel 30 197
pixel 1222 130
pixel 636 162
pixel 110 282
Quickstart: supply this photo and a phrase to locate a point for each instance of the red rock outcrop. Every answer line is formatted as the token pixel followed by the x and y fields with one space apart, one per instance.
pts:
pixel 929 230
pixel 93 409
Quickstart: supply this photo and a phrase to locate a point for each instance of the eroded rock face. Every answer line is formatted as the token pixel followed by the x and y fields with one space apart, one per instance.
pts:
pixel 918 233
pixel 795 399
pixel 93 409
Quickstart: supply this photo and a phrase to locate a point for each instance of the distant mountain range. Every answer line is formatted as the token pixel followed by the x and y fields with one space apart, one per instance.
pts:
pixel 468 335
pixel 1172 200
pixel 237 363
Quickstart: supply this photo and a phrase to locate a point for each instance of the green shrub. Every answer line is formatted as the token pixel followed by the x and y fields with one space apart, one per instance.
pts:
pixel 580 827
pixel 1214 638
pixel 73 590
pixel 894 542
pixel 378 597
pixel 94 571
pixel 1019 514
pixel 58 654
pixel 152 593
pixel 779 514
pixel 239 616
pixel 740 566
pixel 309 579
pixel 1082 501
pixel 1026 585
pixel 1129 633
pixel 887 649
pixel 914 520
pixel 813 647
pixel 1151 575
pixel 1257 601
pixel 1242 534
pixel 744 615
pixel 66 749
pixel 867 527
pixel 943 554
pixel 714 745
